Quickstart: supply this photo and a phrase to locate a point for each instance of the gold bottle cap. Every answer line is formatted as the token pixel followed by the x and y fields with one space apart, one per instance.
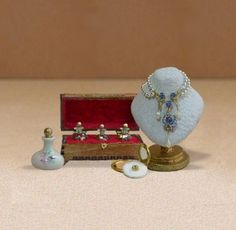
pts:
pixel 48 132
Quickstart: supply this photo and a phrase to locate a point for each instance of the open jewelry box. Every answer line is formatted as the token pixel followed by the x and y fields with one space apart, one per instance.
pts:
pixel 92 110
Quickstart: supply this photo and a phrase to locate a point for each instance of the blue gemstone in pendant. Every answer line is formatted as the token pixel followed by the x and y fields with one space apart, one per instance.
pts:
pixel 168 104
pixel 169 122
pixel 162 96
pixel 172 96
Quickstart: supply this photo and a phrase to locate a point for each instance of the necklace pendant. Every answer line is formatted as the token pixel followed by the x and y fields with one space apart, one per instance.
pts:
pixel 168 144
pixel 169 122
pixel 169 106
pixel 158 115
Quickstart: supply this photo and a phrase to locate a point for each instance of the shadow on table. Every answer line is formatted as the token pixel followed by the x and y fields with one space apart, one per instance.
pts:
pixel 28 167
pixel 196 159
pixel 79 164
pixel 89 164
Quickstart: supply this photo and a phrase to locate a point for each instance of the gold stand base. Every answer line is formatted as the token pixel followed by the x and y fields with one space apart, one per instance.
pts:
pixel 167 159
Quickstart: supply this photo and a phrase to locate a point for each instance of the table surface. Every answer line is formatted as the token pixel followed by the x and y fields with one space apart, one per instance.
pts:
pixel 89 194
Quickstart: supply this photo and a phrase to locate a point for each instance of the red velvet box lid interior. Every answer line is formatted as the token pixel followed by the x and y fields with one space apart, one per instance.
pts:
pixel 92 110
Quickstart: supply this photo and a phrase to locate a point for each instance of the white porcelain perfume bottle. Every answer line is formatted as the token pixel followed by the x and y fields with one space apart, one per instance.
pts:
pixel 47 158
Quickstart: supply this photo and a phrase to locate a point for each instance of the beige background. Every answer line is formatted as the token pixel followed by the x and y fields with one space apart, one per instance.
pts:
pixel 116 38
pixel 90 195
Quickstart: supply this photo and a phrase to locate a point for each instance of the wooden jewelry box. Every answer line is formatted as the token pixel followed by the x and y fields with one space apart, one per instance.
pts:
pixel 92 110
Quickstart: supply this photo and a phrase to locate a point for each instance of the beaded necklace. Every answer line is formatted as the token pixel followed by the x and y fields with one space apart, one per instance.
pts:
pixel 165 105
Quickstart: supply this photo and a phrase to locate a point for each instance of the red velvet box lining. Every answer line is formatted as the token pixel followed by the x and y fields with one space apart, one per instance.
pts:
pixel 92 111
pixel 92 139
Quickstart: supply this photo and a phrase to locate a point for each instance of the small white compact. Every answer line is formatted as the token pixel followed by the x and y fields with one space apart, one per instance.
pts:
pixel 135 169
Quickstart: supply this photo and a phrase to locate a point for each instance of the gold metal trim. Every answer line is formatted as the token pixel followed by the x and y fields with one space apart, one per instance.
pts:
pixel 104 145
pixel 146 162
pixel 97 96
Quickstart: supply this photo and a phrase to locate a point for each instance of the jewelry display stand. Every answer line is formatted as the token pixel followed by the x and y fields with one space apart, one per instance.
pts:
pixel 167 109
pixel 167 159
